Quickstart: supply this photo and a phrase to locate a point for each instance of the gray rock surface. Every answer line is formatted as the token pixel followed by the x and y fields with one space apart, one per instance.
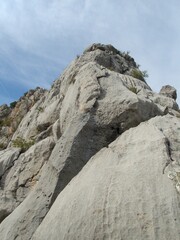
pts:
pixel 125 191
pixel 7 158
pixel 169 91
pixel 93 102
pixel 19 180
pixel 10 117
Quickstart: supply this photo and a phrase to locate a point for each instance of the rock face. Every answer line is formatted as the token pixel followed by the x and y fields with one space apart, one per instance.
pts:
pixel 129 190
pixel 96 157
pixel 10 117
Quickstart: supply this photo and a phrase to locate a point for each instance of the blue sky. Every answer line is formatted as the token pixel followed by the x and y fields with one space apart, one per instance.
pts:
pixel 39 38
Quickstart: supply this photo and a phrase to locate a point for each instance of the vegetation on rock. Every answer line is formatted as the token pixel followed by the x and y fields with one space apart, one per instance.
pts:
pixel 40 109
pixel 2 146
pixel 133 88
pixel 22 143
pixel 141 75
pixel 6 122
pixel 13 104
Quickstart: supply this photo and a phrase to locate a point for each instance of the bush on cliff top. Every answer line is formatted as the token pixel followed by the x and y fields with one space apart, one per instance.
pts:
pixel 141 75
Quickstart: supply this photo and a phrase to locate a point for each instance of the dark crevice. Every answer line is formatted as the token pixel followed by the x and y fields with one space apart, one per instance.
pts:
pixel 3 214
pixel 168 149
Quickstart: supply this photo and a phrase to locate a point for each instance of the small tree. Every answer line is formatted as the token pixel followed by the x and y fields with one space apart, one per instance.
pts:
pixel 13 104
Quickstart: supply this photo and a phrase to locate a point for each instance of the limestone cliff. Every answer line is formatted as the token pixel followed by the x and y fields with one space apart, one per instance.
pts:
pixel 95 157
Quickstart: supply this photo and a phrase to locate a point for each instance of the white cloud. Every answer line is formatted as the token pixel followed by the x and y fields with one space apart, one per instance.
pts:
pixel 38 38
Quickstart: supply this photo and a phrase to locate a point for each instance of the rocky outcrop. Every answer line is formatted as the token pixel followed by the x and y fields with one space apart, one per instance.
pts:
pixel 111 58
pixel 10 117
pixel 169 91
pixel 99 116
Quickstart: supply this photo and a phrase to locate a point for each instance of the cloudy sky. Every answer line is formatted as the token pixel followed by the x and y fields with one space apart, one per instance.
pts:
pixel 39 38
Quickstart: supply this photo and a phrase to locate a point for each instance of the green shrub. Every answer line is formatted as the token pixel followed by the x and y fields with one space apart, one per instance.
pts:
pixel 13 104
pixel 2 146
pixel 6 122
pixel 40 109
pixel 134 89
pixel 22 143
pixel 1 123
pixel 141 75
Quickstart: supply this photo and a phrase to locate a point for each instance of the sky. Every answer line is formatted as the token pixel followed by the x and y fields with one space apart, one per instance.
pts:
pixel 39 38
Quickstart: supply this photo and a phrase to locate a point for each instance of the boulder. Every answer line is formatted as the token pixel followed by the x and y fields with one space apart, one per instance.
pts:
pixel 169 91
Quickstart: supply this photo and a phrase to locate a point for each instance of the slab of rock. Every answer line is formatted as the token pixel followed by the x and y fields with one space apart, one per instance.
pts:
pixel 7 159
pixel 20 175
pixel 123 192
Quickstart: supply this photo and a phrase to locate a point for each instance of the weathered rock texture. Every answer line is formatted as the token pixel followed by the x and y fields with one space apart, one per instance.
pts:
pixel 10 117
pixel 105 159
pixel 123 192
